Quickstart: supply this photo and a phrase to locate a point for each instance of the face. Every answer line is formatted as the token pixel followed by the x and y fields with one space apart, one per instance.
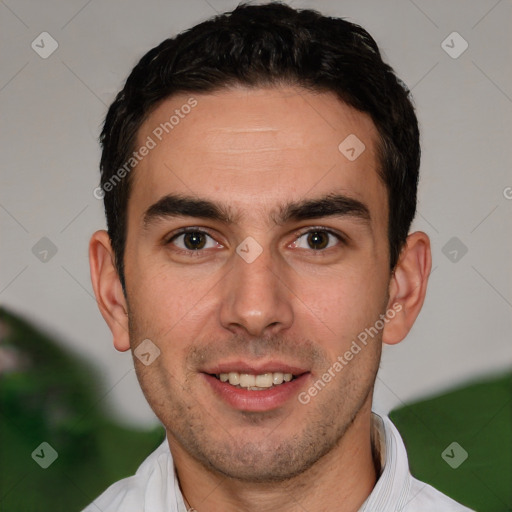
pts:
pixel 256 249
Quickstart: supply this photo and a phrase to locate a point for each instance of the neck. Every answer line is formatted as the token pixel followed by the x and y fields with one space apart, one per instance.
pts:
pixel 341 480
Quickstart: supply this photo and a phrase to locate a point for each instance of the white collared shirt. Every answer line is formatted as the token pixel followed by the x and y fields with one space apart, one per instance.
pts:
pixel 396 490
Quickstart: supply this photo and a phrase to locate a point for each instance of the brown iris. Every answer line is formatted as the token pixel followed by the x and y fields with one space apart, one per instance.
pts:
pixel 315 239
pixel 194 240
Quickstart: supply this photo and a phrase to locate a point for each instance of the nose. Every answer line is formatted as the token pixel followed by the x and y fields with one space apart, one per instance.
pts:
pixel 256 299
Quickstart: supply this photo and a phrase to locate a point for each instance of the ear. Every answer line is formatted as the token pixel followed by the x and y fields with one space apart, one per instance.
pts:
pixel 107 288
pixel 408 287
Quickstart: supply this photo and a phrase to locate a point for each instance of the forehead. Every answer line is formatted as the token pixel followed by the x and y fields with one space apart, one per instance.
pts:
pixel 253 149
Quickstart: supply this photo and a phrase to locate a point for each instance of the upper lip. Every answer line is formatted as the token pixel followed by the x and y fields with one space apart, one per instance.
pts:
pixel 254 368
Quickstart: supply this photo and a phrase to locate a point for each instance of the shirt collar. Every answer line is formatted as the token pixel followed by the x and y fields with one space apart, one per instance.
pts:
pixel 392 487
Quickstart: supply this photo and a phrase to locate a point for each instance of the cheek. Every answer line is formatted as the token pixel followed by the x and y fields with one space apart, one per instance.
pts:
pixel 344 305
pixel 157 289
pixel 169 308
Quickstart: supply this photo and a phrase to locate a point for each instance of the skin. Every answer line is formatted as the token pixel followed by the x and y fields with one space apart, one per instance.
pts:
pixel 253 150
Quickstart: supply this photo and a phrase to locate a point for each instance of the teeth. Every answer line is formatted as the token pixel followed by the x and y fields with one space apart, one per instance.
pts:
pixel 264 380
pixel 234 378
pixel 247 381
pixel 255 382
pixel 277 378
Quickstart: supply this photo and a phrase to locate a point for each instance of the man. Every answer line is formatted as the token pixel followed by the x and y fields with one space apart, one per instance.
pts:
pixel 260 175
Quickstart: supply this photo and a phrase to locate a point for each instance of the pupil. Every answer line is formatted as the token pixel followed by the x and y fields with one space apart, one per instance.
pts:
pixel 315 239
pixel 193 241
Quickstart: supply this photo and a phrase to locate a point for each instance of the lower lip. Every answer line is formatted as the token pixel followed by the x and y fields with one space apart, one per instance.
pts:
pixel 256 401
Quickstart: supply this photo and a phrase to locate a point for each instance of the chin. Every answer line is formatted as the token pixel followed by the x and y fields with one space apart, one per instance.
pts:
pixel 263 462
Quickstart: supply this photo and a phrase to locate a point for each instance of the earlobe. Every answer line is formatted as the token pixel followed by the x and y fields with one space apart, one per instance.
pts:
pixel 408 287
pixel 107 288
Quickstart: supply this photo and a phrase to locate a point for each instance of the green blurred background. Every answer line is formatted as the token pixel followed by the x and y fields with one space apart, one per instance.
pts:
pixel 49 395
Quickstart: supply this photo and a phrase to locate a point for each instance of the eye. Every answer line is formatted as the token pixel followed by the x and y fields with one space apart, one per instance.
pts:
pixel 317 239
pixel 193 240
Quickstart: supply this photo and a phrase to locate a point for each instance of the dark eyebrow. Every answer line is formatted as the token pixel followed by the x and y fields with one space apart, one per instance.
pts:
pixel 331 205
pixel 173 205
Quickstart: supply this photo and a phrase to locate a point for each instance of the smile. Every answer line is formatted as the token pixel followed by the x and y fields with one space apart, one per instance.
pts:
pixel 255 382
pixel 256 392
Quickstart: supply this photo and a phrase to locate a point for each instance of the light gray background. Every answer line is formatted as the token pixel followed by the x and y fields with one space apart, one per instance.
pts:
pixel 52 110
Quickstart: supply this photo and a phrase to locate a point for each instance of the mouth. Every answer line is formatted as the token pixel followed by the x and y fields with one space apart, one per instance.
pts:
pixel 246 388
pixel 259 382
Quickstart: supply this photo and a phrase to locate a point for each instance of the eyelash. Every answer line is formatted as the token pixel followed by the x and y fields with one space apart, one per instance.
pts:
pixel 200 252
